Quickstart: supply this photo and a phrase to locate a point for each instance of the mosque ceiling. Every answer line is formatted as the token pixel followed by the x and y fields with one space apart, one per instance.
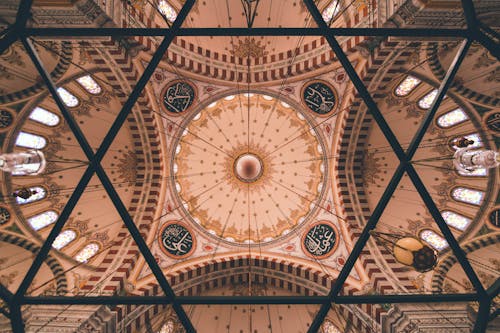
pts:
pixel 248 165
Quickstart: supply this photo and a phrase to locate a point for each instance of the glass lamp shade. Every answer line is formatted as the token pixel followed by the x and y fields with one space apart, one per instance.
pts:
pixel 412 252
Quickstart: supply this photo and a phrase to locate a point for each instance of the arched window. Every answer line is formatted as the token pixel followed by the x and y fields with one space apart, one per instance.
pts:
pixel 433 239
pixel 474 137
pixel 68 98
pixel 483 172
pixel 167 10
pixel 63 239
pixel 42 220
pixel 44 117
pixel 87 252
pixel 39 195
pixel 329 327
pixel 331 11
pixel 467 195
pixel 168 327
pixel 455 220
pixel 406 86
pixel 452 118
pixel 89 84
pixel 29 140
pixel 426 101
pixel 27 169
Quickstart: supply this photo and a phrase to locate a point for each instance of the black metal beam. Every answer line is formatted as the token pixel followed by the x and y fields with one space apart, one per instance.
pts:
pixel 470 14
pixel 494 289
pixel 391 187
pixel 222 300
pixel 95 166
pixel 64 215
pixel 404 158
pixel 491 45
pixel 482 317
pixel 5 294
pixel 396 32
pixel 16 318
pixel 23 14
pixel 445 230
pixel 5 312
pixel 114 300
pixel 8 39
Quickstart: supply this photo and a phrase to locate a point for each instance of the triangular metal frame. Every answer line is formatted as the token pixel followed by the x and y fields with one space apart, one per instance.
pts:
pixel 475 31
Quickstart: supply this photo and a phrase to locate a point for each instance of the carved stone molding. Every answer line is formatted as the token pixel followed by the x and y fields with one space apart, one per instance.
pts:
pixel 438 318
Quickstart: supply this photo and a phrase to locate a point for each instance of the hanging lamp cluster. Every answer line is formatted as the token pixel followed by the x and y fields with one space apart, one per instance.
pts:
pixel 408 250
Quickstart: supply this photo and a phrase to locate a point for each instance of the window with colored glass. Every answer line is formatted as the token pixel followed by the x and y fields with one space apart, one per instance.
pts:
pixel 63 239
pixel 68 98
pixel 167 10
pixel 407 86
pixel 42 116
pixel 42 220
pixel 455 220
pixel 433 239
pixel 29 140
pixel 87 252
pixel 89 84
pixel 467 195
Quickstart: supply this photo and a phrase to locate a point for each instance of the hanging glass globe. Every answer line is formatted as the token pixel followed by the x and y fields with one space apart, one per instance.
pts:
pixel 412 252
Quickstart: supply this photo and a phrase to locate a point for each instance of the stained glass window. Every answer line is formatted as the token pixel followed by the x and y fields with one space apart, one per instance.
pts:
pixel 168 327
pixel 452 118
pixel 89 84
pixel 407 86
pixel 63 239
pixel 42 220
pixel 39 195
pixel 467 195
pixel 68 98
pixel 329 327
pixel 433 239
pixel 426 101
pixel 455 220
pixel 87 252
pixel 483 172
pixel 29 140
pixel 26 169
pixel 474 137
pixel 167 10
pixel 45 117
pixel 331 11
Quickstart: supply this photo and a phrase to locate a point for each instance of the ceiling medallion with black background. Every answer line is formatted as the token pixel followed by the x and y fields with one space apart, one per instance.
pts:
pixel 320 240
pixel 176 240
pixel 177 97
pixel 320 97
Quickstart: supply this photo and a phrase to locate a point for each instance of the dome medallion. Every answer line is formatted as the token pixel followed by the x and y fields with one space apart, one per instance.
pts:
pixel 248 168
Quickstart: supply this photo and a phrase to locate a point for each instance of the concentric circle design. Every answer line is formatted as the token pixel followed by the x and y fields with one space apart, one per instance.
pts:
pixel 249 168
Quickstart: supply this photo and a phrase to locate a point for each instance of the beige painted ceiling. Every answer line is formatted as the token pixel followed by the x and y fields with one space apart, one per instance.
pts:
pixel 292 176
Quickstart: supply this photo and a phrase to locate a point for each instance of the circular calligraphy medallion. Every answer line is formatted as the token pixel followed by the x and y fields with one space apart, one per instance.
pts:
pixel 320 240
pixel 6 119
pixel 4 215
pixel 320 97
pixel 176 240
pixel 494 218
pixel 493 122
pixel 177 97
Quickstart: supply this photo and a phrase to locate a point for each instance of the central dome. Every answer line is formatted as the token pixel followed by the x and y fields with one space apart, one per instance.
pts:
pixel 248 168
